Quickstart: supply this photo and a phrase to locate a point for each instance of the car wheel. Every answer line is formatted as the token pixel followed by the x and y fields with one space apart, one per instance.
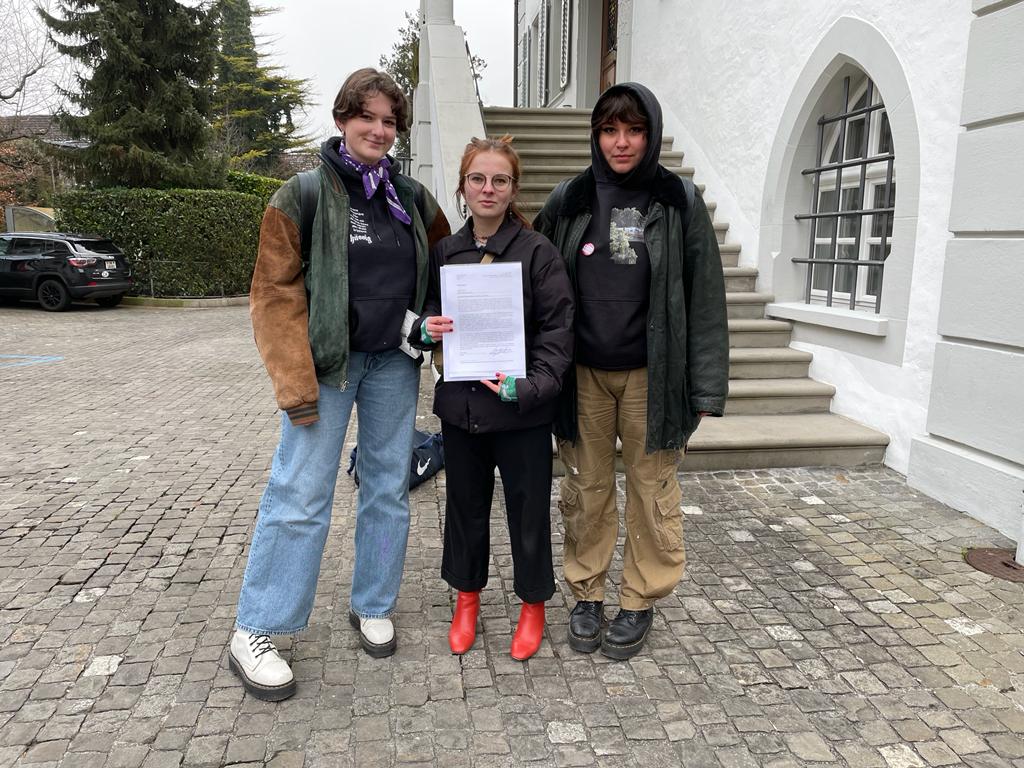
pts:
pixel 110 301
pixel 53 296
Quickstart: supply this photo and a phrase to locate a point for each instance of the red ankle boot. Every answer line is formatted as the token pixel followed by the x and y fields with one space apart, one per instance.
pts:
pixel 529 631
pixel 463 629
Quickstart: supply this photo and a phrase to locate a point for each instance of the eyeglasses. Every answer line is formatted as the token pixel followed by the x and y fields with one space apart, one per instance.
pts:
pixel 500 181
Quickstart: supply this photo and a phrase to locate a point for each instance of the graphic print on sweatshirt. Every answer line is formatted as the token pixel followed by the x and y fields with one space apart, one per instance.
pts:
pixel 358 228
pixel 626 227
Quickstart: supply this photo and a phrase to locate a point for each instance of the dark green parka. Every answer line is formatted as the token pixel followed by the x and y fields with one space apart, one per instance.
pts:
pixel 687 327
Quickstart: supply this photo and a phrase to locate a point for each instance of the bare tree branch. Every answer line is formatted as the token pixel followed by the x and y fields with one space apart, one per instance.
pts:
pixel 20 86
pixel 31 70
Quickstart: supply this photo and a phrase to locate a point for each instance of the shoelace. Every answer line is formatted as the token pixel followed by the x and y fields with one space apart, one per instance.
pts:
pixel 261 644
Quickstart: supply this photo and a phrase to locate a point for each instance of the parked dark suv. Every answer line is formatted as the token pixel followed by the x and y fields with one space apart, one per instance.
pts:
pixel 55 268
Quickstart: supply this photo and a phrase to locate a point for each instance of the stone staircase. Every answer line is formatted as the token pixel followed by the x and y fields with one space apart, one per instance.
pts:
pixel 776 416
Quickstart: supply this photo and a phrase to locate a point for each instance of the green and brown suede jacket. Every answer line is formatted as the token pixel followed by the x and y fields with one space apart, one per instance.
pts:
pixel 300 316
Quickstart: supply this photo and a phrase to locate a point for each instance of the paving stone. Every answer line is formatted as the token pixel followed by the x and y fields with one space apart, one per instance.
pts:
pixel 901 756
pixel 809 746
pixel 860 755
pixel 287 760
pixel 246 749
pixel 937 753
pixel 46 752
pixel 1007 745
pixel 127 755
pixel 963 741
pixel 168 759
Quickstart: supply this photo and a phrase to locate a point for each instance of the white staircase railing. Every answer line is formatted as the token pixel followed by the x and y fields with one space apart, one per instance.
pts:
pixel 445 105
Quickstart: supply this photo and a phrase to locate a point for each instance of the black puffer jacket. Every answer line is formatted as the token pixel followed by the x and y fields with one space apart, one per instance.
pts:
pixel 548 313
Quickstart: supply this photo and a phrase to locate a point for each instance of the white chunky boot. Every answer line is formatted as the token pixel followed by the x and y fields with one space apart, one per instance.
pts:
pixel 377 636
pixel 264 673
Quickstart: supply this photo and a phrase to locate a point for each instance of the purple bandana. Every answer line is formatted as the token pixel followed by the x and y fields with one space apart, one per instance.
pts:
pixel 373 176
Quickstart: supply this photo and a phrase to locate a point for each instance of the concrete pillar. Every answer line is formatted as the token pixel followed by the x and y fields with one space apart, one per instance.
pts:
pixel 438 11
pixel 447 111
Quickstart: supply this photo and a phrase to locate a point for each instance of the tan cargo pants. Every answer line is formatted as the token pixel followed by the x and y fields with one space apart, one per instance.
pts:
pixel 614 403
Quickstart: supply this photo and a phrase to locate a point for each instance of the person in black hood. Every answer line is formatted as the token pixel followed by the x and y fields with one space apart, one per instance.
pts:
pixel 651 359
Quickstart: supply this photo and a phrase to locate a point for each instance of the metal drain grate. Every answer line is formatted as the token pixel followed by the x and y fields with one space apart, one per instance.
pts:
pixel 996 562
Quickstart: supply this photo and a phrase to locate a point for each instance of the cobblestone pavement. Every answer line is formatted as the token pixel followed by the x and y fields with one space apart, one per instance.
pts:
pixel 827 616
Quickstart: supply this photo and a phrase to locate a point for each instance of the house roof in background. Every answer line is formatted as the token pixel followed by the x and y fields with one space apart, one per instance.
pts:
pixel 42 127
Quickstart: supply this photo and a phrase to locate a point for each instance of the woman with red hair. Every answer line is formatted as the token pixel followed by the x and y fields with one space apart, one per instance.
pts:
pixel 503 423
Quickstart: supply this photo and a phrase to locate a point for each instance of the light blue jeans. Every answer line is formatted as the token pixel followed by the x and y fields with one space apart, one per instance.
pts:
pixel 295 511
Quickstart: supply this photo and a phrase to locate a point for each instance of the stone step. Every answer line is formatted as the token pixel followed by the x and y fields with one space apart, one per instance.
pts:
pixel 757 441
pixel 759 333
pixel 562 141
pixel 555 141
pixel 550 175
pixel 730 253
pixel 721 230
pixel 517 128
pixel 739 279
pixel 530 208
pixel 782 440
pixel 768 363
pixel 748 306
pixel 533 115
pixel 580 158
pixel 773 396
pixel 536 183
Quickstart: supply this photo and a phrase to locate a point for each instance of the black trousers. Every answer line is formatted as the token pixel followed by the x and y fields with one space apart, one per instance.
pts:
pixel 523 457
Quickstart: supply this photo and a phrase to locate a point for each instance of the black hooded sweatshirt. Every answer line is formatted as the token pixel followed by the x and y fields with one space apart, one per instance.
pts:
pixel 613 281
pixel 381 262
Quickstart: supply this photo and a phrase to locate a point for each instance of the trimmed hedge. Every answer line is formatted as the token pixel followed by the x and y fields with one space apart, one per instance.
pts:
pixel 252 184
pixel 180 242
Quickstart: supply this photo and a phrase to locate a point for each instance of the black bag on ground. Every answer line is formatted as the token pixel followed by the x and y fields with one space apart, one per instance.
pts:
pixel 427 458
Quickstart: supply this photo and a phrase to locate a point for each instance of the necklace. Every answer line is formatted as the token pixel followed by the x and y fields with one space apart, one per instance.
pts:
pixel 479 238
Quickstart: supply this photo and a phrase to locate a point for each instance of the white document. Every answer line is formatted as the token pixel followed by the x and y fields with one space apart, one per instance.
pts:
pixel 485 303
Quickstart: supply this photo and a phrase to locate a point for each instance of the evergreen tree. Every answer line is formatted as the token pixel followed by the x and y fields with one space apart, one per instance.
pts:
pixel 254 105
pixel 404 62
pixel 142 91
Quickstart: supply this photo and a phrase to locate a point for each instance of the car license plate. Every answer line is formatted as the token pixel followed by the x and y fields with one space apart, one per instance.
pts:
pixel 111 265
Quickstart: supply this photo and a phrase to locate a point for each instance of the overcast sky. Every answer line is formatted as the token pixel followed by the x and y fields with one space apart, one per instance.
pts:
pixel 325 40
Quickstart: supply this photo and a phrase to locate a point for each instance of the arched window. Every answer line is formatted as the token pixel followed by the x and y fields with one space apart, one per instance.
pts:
pixel 852 202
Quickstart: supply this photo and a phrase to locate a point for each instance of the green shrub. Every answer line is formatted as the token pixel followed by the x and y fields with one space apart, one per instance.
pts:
pixel 180 242
pixel 252 184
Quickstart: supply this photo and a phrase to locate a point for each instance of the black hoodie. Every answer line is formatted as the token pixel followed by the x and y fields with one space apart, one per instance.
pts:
pixel 614 279
pixel 381 262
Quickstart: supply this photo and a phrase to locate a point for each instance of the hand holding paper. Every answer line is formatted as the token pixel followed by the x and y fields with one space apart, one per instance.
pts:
pixel 437 326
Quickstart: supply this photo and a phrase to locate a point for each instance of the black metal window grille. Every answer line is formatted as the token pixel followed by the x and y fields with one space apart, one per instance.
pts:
pixel 851 213
pixel 523 97
pixel 611 32
pixel 565 41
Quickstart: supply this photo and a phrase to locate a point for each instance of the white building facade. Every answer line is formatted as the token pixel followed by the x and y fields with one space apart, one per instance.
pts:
pixel 905 119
